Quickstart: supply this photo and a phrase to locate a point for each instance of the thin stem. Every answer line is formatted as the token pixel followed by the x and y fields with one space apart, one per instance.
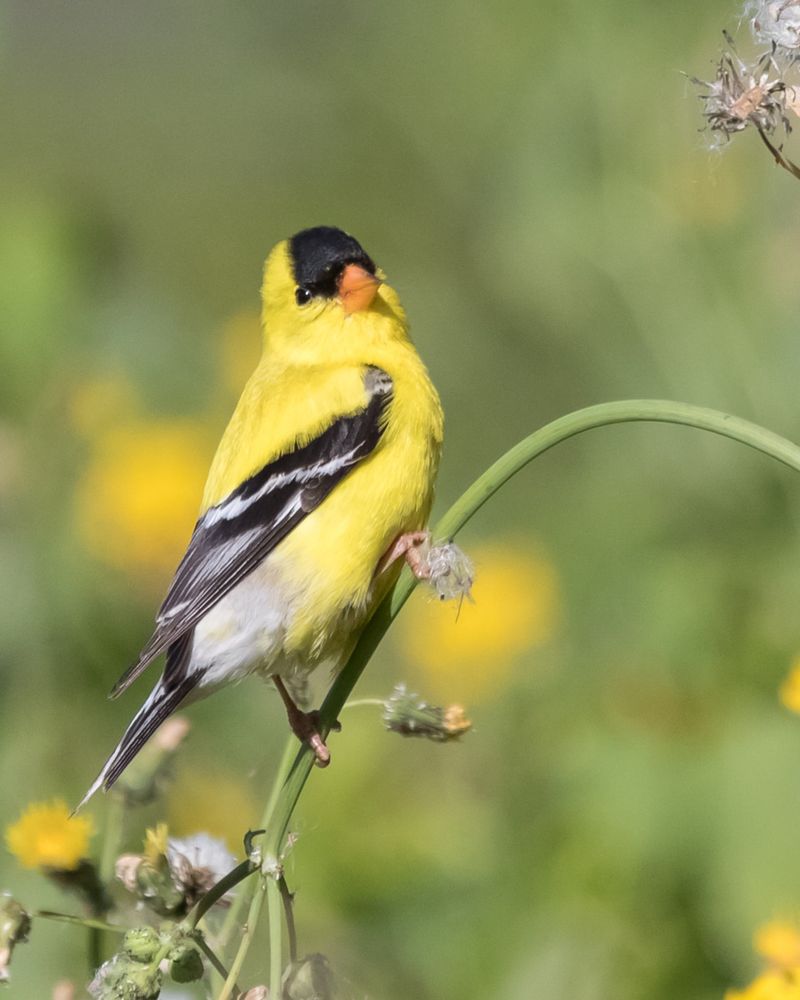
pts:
pixel 115 822
pixel 217 891
pixel 233 914
pixel 283 802
pixel 94 948
pixel 68 918
pixel 244 945
pixel 204 946
pixel 365 703
pixel 780 159
pixel 275 946
pixel 470 502
pixel 288 911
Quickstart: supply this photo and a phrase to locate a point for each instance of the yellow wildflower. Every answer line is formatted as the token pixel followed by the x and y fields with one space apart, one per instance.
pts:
pixel 789 691
pixel 771 985
pixel 46 836
pixel 468 654
pixel 779 943
pixel 155 843
pixel 139 496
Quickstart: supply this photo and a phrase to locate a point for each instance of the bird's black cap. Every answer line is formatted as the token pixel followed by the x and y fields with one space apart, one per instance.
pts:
pixel 320 255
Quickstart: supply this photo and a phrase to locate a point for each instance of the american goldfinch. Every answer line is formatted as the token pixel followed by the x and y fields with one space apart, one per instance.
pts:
pixel 321 485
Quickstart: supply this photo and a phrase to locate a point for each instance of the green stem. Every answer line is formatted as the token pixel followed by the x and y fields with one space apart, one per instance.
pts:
pixel 470 502
pixel 204 946
pixel 282 804
pixel 365 703
pixel 253 916
pixel 217 891
pixel 68 918
pixel 288 912
pixel 115 822
pixel 94 949
pixel 275 944
pixel 233 914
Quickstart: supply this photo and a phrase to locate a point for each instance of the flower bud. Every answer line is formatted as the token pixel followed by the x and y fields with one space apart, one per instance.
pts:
pixel 15 925
pixel 309 979
pixel 186 965
pixel 155 886
pixel 406 713
pixel 141 944
pixel 123 978
pixel 255 993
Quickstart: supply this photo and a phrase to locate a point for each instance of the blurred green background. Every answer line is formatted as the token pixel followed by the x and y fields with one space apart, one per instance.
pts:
pixel 531 177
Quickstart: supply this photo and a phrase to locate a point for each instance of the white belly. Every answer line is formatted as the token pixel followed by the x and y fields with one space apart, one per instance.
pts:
pixel 245 631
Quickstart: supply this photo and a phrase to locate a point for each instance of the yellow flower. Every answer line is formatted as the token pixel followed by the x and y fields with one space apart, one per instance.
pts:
pixel 466 655
pixel 155 843
pixel 779 943
pixel 769 986
pixel 139 496
pixel 45 836
pixel 789 691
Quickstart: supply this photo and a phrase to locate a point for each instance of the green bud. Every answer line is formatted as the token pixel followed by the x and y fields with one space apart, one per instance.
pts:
pixel 406 713
pixel 123 978
pixel 309 979
pixel 185 965
pixel 15 925
pixel 141 944
pixel 156 888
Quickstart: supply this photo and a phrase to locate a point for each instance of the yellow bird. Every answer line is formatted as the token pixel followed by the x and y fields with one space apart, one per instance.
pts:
pixel 321 485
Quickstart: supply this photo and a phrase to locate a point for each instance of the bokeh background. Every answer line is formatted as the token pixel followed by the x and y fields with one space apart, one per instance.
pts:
pixel 627 809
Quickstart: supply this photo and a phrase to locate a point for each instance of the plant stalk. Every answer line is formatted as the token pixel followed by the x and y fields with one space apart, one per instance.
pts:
pixel 285 796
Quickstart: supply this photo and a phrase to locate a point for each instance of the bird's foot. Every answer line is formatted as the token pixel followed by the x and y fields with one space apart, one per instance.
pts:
pixel 306 726
pixel 412 547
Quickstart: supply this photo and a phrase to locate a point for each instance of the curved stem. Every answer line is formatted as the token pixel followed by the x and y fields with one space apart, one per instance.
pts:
pixel 210 954
pixel 217 891
pixel 471 501
pixel 497 475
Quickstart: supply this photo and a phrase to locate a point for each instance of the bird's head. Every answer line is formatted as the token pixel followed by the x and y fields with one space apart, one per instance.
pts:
pixel 322 284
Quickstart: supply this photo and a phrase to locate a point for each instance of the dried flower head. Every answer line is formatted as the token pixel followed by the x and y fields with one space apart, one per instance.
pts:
pixel 406 713
pixel 198 862
pixel 451 571
pixel 741 95
pixel 46 836
pixel 776 22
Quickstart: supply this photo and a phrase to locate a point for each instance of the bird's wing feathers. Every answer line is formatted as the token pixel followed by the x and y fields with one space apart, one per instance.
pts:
pixel 234 536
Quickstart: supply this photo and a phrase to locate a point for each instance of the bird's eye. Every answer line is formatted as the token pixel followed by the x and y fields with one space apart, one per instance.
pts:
pixel 302 296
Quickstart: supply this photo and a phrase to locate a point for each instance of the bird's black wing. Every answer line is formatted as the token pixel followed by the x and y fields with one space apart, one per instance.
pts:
pixel 233 537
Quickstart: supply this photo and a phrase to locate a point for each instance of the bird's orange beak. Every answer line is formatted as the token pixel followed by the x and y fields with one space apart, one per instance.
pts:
pixel 357 288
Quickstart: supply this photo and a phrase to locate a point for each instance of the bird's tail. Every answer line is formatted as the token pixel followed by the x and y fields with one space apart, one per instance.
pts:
pixel 162 702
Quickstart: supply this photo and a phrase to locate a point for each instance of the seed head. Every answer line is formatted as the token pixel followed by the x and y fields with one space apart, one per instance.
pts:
pixel 741 95
pixel 776 22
